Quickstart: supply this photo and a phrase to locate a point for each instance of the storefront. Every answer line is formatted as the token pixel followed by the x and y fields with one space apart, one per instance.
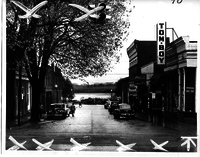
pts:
pixel 18 97
pixel 140 53
pixel 169 89
pixel 180 69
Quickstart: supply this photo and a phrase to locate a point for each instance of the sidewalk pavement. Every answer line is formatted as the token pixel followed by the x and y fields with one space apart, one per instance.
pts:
pixel 23 121
pixel 26 119
pixel 188 126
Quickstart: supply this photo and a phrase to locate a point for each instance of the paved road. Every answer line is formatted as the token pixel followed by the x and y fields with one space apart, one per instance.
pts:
pixel 93 123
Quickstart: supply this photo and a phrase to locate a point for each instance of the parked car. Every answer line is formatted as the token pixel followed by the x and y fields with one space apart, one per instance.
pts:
pixel 59 110
pixel 113 105
pixel 75 101
pixel 124 110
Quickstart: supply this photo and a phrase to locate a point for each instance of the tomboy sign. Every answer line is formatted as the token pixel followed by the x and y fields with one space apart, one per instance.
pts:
pixel 161 37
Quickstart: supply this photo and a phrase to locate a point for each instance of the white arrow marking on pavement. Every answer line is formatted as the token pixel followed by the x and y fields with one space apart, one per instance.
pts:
pixel 78 146
pixel 124 147
pixel 187 141
pixel 17 145
pixel 159 146
pixel 43 146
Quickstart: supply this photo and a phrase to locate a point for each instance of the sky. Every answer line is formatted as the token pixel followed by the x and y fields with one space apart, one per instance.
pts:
pixel 182 15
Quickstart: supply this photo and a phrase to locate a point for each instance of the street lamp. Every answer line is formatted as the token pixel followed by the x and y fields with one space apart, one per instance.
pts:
pixel 111 93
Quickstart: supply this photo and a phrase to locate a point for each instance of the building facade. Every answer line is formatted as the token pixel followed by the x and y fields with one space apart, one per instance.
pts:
pixel 19 92
pixel 154 87
pixel 122 90
pixel 18 96
pixel 180 83
pixel 52 91
pixel 140 53
pixel 164 92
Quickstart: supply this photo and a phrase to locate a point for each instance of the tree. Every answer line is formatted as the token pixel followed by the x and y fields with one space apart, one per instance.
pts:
pixel 79 49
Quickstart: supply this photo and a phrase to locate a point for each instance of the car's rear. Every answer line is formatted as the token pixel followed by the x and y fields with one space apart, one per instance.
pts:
pixel 58 110
pixel 124 110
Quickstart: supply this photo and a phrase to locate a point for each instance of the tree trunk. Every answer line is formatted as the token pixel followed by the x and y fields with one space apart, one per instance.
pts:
pixel 35 110
pixel 20 93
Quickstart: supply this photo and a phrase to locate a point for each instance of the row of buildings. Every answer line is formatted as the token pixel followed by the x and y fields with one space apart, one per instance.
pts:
pixel 19 93
pixel 162 93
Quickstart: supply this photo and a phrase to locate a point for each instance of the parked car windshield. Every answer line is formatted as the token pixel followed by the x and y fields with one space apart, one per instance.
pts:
pixel 124 106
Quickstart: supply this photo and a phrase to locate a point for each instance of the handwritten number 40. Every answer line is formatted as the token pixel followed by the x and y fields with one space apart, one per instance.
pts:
pixel 177 1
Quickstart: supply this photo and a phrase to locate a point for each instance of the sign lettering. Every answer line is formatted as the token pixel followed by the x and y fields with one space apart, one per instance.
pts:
pixel 161 37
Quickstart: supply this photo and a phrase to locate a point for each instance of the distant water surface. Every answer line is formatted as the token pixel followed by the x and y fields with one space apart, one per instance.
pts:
pixel 78 96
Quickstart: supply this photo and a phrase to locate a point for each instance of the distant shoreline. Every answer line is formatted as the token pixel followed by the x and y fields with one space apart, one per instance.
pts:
pixel 95 88
pixel 78 96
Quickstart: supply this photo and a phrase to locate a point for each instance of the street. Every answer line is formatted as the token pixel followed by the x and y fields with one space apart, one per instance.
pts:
pixel 93 123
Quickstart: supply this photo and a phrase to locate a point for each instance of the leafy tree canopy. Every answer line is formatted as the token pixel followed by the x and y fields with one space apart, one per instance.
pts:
pixel 80 49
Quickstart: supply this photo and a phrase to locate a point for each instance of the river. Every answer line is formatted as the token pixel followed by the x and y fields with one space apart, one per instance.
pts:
pixel 79 96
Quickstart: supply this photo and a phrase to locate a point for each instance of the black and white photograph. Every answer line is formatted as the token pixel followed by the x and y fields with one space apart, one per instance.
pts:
pixel 100 77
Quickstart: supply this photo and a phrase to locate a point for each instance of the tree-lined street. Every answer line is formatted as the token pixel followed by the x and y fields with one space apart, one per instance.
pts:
pixel 79 48
pixel 50 42
pixel 93 123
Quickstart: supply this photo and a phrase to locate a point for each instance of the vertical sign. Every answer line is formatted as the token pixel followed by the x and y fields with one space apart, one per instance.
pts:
pixel 161 41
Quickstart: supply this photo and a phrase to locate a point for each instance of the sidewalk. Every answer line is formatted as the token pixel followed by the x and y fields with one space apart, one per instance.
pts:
pixel 26 119
pixel 189 126
pixel 23 121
